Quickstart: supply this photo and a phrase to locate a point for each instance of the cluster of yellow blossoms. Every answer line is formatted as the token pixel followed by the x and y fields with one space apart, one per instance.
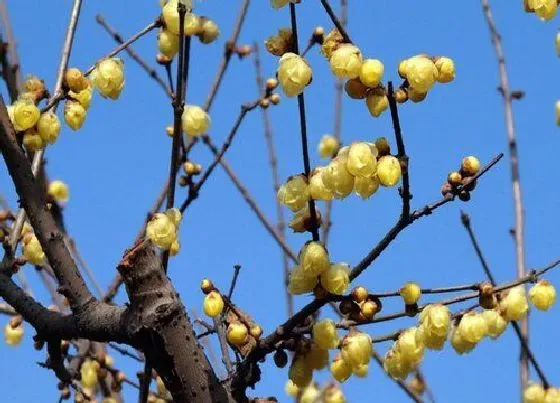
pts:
pixel 204 28
pixel 330 393
pixel 535 393
pixel 162 230
pixel 544 9
pixel 315 268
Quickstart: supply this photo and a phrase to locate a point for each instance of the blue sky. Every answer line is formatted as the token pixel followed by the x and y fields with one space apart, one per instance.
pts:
pixel 117 163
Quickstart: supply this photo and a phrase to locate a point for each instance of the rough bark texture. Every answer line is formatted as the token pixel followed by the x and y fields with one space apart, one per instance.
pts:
pixel 161 328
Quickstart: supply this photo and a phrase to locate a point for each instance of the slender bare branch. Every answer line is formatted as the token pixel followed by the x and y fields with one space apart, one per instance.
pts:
pixel 337 23
pixel 16 79
pixel 519 232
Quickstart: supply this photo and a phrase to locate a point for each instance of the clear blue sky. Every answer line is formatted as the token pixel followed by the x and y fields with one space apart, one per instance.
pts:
pixel 117 163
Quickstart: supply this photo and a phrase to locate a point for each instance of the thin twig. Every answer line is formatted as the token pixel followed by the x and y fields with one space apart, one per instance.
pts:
pixel 15 67
pixel 337 23
pixel 465 219
pixel 56 95
pixel 71 245
pixel 124 351
pixel 132 53
pixel 515 181
pixel 273 162
pixel 236 270
pixel 303 130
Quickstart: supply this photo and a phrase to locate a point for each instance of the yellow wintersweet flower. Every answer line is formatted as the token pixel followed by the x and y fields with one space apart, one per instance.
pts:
pixel 294 74
pixel 25 114
pixel 161 230
pixel 346 61
pixel 108 77
pixel 58 190
pixel 195 120
pixel 48 127
pixel 74 114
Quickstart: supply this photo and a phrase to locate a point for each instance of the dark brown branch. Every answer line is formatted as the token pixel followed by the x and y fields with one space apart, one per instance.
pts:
pixel 303 129
pixel 337 23
pixel 514 168
pixel 132 53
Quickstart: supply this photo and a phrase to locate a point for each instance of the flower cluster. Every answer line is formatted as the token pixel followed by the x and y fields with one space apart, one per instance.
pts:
pixel 405 354
pixel 162 230
pixel 461 182
pixel 421 72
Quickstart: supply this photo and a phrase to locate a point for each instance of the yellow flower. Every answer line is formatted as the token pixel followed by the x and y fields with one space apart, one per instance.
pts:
pixel 340 369
pixel 314 259
pixel 108 77
pixel 171 15
pixel 193 25
pixel 410 348
pixel 495 323
pixel 356 349
pixel 552 395
pixel 168 43
pixel 333 394
pixel 371 72
pixel 294 194
pixel 299 283
pixel 32 140
pixel 365 187
pixel 32 251
pixel 88 372
pixel 459 344
pixel 446 69
pixel 336 278
pixel 514 305
pixel 317 188
pixel 435 321
pixel 310 394
pixel 410 292
pixel 325 334
pixel 328 146
pixel 280 3
pixel 542 295
pixel 161 230
pixel 83 97
pixel 361 160
pixel 74 114
pixel 195 120
pixel 377 104
pixel 209 31
pixel 346 61
pixel 48 127
pixel 545 9
pixel 336 177
pixel 293 73
pixel 534 393
pixel 331 42
pixel 470 166
pixel 174 214
pixel 75 80
pixel 58 190
pixel 13 335
pixel 291 388
pixel 213 304
pixel 237 334
pixel 421 73
pixel 25 114
pixel 388 170
pixel 395 365
pixel 300 373
pixel 472 327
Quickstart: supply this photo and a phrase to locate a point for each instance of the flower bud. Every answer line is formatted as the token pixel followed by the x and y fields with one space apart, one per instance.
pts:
pixel 193 25
pixel 495 324
pixel 336 278
pixel 13 335
pixel 382 146
pixel 171 15
pixel 275 99
pixel 32 251
pixel 317 188
pixel 25 114
pixel 294 194
pixel 195 120
pixel 293 73
pixel 34 84
pixel 291 388
pixel 421 73
pixel 74 114
pixel 213 304
pixel 356 349
pixel 355 89
pixel 410 292
pixel 337 178
pixel 388 170
pixel 369 309
pixel 328 146
pixel 237 334
pixel 108 77
pixel 470 166
pixel 346 61
pixel 365 187
pixel 299 283
pixel 377 104
pixel 168 43
pixel 371 72
pixel 75 80
pixel 514 305
pixel 209 31
pixel 361 161
pixel 415 96
pixel 401 97
pixel 324 334
pixel 545 9
pixel 58 190
pixel 32 140
pixel 454 178
pixel 314 259
pixel 300 373
pixel 161 230
pixel 48 127
pixel 446 69
pixel 280 43
pixel 340 369
pixel 206 286
pixel 542 295
pixel 331 42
